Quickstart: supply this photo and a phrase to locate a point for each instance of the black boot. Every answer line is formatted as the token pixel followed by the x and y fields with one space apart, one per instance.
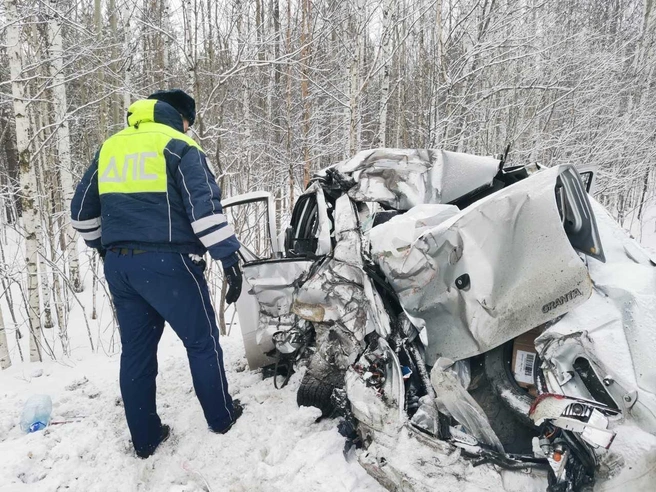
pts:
pixel 237 410
pixel 164 435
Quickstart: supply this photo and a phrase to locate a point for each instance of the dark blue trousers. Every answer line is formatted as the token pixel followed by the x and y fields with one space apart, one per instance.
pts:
pixel 149 289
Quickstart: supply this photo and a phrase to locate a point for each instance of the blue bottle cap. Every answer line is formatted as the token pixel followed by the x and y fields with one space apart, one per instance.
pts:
pixel 37 426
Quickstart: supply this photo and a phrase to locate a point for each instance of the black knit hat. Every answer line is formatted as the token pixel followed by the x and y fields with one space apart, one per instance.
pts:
pixel 180 100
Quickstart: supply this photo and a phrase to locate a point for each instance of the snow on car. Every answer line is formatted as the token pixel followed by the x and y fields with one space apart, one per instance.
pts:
pixel 472 324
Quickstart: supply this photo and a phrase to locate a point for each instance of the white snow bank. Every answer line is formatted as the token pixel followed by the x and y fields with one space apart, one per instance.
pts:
pixel 274 446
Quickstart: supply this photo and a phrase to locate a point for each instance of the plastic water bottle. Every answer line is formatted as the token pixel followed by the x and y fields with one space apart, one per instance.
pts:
pixel 36 413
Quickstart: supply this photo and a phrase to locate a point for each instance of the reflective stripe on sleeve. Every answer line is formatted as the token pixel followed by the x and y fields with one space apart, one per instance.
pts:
pixel 90 236
pixel 206 222
pixel 217 236
pixel 86 224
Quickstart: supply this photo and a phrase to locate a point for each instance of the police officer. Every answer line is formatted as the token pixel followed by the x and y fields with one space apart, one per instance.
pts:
pixel 150 205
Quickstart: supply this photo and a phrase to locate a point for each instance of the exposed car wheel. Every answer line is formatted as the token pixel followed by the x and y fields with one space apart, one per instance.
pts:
pixel 506 406
pixel 326 369
pixel 502 381
pixel 512 432
pixel 314 392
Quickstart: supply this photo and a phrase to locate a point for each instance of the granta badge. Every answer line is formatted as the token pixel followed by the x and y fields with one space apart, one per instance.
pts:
pixel 550 306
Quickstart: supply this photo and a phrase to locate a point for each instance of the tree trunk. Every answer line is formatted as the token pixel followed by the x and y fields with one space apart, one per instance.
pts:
pixel 5 361
pixel 27 176
pixel 439 71
pixel 12 206
pixel 114 99
pixel 355 89
pixel 288 100
pixel 5 284
pixel 41 121
pixel 63 142
pixel 385 39
pixel 243 32
pixel 305 88
pixel 102 107
pixel 353 104
pixel 190 59
pixel 128 47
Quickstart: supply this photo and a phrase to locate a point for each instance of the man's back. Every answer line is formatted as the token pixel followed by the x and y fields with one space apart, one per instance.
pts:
pixel 155 190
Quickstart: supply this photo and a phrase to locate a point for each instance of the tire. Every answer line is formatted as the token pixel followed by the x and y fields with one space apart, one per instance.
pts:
pixel 504 402
pixel 513 433
pixel 322 377
pixel 314 392
pixel 499 375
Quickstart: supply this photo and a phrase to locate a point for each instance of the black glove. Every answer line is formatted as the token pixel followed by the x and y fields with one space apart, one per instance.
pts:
pixel 102 252
pixel 234 278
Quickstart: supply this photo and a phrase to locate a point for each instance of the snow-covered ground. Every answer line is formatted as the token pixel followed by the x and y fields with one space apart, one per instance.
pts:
pixel 274 446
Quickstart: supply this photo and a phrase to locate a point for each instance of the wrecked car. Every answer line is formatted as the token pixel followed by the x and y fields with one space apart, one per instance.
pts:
pixel 484 326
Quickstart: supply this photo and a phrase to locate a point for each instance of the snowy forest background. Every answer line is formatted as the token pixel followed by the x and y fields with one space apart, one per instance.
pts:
pixel 286 87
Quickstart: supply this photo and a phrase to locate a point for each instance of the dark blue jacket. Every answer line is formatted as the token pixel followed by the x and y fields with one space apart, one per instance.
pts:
pixel 149 188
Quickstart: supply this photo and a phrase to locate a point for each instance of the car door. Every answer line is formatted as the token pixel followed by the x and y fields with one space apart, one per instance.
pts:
pixel 270 275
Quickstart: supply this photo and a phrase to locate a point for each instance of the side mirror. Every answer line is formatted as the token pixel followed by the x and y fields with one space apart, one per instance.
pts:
pixel 289 240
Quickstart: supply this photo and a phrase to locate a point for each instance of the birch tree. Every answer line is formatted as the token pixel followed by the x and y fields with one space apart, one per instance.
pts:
pixel 28 188
pixel 386 36
pixel 60 105
pixel 5 361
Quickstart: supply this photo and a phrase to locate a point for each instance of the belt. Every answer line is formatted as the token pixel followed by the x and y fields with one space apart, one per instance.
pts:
pixel 125 251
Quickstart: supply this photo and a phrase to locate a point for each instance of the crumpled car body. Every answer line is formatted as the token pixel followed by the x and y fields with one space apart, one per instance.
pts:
pixel 412 268
pixel 511 283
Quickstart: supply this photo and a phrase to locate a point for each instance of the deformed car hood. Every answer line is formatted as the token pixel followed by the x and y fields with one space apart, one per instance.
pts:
pixel 404 178
pixel 488 274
